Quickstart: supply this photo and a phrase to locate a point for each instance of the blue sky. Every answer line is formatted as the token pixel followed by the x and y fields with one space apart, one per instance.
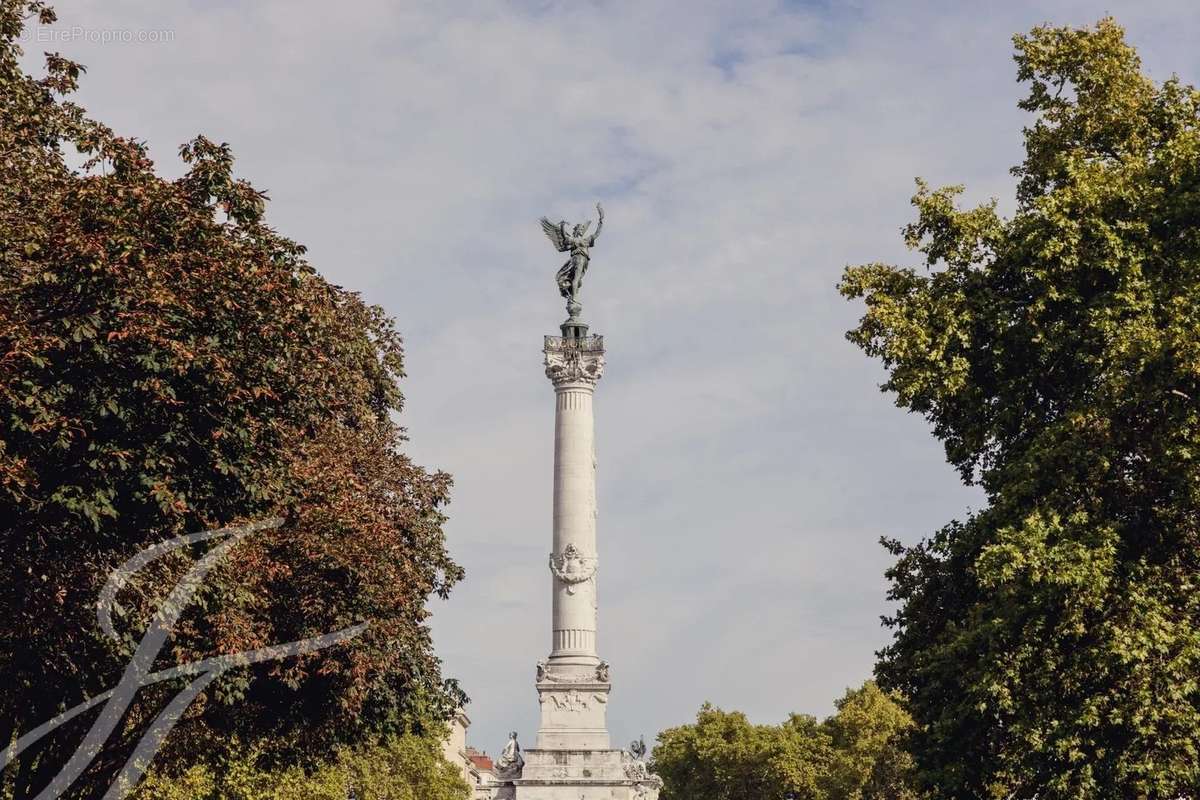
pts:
pixel 745 153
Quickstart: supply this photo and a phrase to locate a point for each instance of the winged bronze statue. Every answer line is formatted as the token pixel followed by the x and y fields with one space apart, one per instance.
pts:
pixel 578 243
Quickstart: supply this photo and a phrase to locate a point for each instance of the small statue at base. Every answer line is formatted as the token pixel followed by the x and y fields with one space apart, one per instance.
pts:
pixel 637 748
pixel 511 762
pixel 645 783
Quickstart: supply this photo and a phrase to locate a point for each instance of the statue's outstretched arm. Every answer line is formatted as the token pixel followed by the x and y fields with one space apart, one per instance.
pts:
pixel 599 224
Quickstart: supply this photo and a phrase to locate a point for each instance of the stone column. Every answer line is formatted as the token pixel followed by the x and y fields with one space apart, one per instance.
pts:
pixel 573 683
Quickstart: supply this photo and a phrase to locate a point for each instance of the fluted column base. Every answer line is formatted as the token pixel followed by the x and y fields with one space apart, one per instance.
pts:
pixel 574 642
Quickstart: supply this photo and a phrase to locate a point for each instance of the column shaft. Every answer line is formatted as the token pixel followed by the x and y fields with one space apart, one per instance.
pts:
pixel 574 604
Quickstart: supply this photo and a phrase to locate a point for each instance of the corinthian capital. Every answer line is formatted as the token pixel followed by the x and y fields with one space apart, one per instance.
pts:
pixel 574 360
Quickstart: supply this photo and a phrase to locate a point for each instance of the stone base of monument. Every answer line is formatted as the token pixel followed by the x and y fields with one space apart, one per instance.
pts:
pixel 580 775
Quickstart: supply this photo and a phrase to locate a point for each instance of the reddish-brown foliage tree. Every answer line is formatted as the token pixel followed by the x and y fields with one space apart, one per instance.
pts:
pixel 168 364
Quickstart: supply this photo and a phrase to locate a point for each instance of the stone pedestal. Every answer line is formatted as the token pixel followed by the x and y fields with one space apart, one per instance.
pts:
pixel 581 775
pixel 575 775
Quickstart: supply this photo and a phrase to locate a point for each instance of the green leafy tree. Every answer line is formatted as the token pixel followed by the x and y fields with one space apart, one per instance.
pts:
pixel 856 754
pixel 724 757
pixel 169 364
pixel 1049 645
pixel 396 768
pixel 868 759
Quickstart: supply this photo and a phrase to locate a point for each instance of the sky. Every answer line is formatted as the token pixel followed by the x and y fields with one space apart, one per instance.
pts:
pixel 745 153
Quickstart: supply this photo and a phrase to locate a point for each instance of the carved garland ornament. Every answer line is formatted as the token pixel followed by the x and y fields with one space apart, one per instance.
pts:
pixel 571 568
pixel 601 675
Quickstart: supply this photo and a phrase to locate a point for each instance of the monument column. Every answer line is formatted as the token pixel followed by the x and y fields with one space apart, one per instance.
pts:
pixel 574 364
pixel 573 682
pixel 573 758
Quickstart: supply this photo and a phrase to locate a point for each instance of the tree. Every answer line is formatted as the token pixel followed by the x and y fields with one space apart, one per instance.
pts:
pixel 724 757
pixel 397 768
pixel 1049 644
pixel 853 755
pixel 169 364
pixel 867 756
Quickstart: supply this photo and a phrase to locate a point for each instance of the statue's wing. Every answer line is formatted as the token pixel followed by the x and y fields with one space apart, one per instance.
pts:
pixel 554 233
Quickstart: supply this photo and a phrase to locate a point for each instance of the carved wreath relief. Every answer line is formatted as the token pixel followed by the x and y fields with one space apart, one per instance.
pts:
pixel 572 568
